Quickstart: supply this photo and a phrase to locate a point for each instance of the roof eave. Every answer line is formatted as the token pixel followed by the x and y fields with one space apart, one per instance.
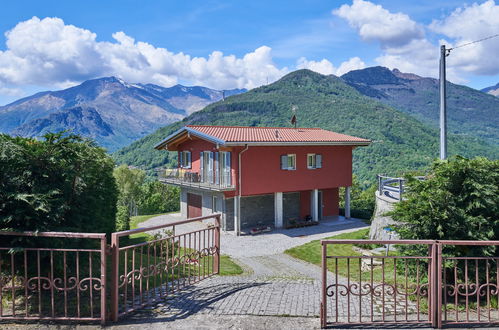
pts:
pixel 314 143
pixel 190 131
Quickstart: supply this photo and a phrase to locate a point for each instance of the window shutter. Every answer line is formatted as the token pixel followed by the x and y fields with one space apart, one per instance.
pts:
pixel 217 169
pixel 180 159
pixel 284 162
pixel 228 176
pixel 201 166
pixel 210 168
pixel 188 165
pixel 318 161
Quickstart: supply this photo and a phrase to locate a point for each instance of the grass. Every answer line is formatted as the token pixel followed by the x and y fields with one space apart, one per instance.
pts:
pixel 227 266
pixel 311 252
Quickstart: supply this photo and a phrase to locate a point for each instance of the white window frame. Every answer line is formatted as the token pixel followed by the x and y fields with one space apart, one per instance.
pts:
pixel 316 164
pixel 311 157
pixel 214 203
pixel 288 167
pixel 185 161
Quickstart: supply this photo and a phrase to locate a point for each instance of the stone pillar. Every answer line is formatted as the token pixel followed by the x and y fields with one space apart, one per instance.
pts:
pixel 347 202
pixel 278 210
pixel 237 215
pixel 315 205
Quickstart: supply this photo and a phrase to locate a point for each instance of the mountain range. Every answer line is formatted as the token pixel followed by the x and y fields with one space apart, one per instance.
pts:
pixel 401 142
pixel 469 112
pixel 109 110
pixel 492 90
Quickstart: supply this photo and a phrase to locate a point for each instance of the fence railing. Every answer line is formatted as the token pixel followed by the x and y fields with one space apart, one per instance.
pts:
pixel 222 181
pixel 47 283
pixel 146 272
pixel 436 288
pixel 393 187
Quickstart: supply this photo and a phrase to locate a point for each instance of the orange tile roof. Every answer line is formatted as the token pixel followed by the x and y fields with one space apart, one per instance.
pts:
pixel 238 135
pixel 273 134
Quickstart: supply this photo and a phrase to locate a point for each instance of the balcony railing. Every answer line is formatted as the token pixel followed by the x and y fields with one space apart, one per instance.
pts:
pixel 182 177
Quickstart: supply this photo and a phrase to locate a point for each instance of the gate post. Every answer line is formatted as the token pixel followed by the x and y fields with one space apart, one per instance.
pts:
pixel 439 292
pixel 216 257
pixel 115 245
pixel 435 278
pixel 323 312
pixel 103 286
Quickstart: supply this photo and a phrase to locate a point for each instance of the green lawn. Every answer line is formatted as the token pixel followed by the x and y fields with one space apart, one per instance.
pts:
pixel 311 252
pixel 227 266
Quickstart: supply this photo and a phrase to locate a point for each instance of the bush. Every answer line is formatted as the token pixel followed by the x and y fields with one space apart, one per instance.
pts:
pixel 122 218
pixel 459 200
pixel 61 183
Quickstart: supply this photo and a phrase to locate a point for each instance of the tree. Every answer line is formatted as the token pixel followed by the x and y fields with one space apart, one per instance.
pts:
pixel 459 200
pixel 159 198
pixel 129 181
pixel 61 183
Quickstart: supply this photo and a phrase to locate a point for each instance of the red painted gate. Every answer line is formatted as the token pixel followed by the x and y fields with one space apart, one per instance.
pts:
pixel 433 288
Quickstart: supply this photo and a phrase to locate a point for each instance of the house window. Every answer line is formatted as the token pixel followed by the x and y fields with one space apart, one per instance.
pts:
pixel 288 162
pixel 214 204
pixel 314 161
pixel 185 159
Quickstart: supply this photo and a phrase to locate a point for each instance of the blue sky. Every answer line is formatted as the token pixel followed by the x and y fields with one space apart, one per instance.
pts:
pixel 168 42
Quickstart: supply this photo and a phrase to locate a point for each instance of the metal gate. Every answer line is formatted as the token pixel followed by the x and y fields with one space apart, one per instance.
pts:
pixel 433 288
pixel 47 283
pixel 59 278
pixel 145 273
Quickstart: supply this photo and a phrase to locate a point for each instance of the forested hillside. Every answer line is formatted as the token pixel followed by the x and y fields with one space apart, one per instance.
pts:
pixel 400 142
pixel 469 112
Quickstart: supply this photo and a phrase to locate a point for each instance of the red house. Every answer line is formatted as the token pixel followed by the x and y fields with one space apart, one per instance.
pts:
pixel 260 176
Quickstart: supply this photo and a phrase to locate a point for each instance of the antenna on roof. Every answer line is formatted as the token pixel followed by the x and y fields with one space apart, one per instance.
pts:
pixel 293 118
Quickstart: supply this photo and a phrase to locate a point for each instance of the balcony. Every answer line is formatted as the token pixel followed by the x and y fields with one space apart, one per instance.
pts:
pixel 184 178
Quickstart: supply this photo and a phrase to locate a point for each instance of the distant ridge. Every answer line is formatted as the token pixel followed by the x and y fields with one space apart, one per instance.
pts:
pixel 400 142
pixel 469 112
pixel 492 90
pixel 109 110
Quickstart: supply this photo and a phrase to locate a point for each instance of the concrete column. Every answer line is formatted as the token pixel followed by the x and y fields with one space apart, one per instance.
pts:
pixel 237 215
pixel 315 205
pixel 347 202
pixel 278 210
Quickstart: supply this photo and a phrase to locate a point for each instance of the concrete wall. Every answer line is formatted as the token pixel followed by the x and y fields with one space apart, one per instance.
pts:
pixel 291 206
pixel 380 220
pixel 257 211
pixel 228 221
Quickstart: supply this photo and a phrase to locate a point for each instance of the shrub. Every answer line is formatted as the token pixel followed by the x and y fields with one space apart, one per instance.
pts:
pixel 459 200
pixel 60 183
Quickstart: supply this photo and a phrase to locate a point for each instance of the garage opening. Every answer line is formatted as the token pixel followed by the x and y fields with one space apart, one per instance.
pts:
pixel 194 204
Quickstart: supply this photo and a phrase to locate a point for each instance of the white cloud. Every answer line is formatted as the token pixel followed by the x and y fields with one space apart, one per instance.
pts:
pixel 374 23
pixel 465 25
pixel 326 67
pixel 323 67
pixel 404 44
pixel 47 52
pixel 355 63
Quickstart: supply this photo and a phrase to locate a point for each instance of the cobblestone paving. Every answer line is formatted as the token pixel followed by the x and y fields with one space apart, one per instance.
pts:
pixel 274 284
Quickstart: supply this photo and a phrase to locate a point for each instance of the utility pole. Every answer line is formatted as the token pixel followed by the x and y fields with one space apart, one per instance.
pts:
pixel 443 104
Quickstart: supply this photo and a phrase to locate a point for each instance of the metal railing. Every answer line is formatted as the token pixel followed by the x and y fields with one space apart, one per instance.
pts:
pixel 435 288
pixel 194 179
pixel 45 283
pixel 146 272
pixel 392 187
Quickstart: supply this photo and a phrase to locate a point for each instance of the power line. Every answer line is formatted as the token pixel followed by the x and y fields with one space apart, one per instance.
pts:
pixel 474 42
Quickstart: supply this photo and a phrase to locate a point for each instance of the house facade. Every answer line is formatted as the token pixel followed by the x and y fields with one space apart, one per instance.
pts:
pixel 260 176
